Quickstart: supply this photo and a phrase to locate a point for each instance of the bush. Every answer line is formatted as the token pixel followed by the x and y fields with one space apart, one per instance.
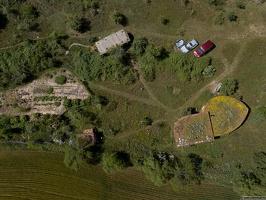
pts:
pixel 57 103
pixel 216 2
pixel 146 121
pixel 139 46
pixel 112 162
pixel 259 114
pixel 240 5
pixel 29 12
pixel 49 90
pixel 153 50
pixel 78 24
pixel 61 79
pixel 232 17
pixel 148 73
pixel 118 18
pixel 229 87
pixel 164 20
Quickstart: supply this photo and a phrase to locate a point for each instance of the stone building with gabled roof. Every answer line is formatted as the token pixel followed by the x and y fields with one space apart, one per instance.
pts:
pixel 118 38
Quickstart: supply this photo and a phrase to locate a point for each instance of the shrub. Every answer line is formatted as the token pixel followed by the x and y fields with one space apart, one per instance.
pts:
pixel 209 71
pixel 78 24
pixel 164 20
pixel 229 86
pixel 61 79
pixel 148 73
pixel 118 18
pixel 216 2
pixel 153 50
pixel 240 5
pixel 57 103
pixel 67 102
pixel 146 121
pixel 49 90
pixel 232 17
pixel 112 162
pixel 139 45
pixel 259 114
pixel 29 12
pixel 186 2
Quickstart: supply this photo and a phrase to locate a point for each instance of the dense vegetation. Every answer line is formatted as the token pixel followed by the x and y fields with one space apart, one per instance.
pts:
pixel 27 61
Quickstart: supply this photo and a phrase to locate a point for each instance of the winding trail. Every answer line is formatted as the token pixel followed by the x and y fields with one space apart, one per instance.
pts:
pixel 137 67
pixel 125 95
pixel 77 44
pixel 229 68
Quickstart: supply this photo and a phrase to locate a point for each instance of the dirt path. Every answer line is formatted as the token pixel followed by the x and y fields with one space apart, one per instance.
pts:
pixel 228 70
pixel 125 95
pixel 137 67
pixel 77 44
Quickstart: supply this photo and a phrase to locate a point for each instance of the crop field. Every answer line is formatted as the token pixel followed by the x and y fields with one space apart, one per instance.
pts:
pixel 41 175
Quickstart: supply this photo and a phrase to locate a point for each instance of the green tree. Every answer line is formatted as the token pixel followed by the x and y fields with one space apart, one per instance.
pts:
pixel 29 12
pixel 158 168
pixel 118 18
pixel 148 72
pixel 248 181
pixel 153 50
pixel 74 155
pixel 260 171
pixel 78 24
pixel 139 45
pixel 229 87
pixel 112 162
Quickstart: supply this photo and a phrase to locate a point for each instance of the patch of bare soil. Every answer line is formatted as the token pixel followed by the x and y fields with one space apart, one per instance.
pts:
pixel 36 98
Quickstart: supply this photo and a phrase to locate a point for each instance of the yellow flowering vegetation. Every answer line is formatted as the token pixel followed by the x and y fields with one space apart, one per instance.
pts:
pixel 220 116
pixel 226 114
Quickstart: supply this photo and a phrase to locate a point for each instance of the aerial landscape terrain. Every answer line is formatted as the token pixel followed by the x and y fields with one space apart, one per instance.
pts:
pixel 140 99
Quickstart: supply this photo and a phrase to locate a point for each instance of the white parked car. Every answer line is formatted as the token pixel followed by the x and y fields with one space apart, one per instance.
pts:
pixel 179 43
pixel 189 46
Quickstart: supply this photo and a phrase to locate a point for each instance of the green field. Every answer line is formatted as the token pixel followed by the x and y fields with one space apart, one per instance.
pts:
pixel 239 54
pixel 42 175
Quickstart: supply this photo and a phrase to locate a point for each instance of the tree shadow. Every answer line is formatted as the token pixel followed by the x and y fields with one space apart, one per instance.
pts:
pixel 3 21
pixel 85 25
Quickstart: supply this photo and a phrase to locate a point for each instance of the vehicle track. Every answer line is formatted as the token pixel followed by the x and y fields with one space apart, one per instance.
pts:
pixel 125 95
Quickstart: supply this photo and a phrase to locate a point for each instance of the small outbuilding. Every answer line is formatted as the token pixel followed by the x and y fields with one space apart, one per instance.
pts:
pixel 88 135
pixel 119 38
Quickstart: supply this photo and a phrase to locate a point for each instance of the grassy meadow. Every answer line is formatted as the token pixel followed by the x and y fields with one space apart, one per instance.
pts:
pixel 239 54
